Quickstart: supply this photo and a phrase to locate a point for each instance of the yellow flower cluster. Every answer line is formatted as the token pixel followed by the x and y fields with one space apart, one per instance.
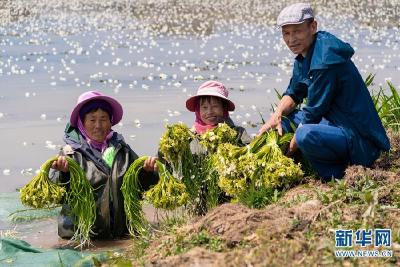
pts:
pixel 281 172
pixel 40 192
pixel 219 135
pixel 169 193
pixel 235 168
pixel 174 143
pixel 261 163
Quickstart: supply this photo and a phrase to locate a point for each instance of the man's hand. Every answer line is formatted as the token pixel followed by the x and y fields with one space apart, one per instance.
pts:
pixel 150 164
pixel 286 106
pixel 292 147
pixel 61 164
pixel 275 122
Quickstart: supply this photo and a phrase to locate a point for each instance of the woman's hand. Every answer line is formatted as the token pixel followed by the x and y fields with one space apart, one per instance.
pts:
pixel 61 164
pixel 150 164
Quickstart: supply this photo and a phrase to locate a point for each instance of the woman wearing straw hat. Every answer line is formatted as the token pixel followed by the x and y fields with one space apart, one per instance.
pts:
pixel 211 106
pixel 104 157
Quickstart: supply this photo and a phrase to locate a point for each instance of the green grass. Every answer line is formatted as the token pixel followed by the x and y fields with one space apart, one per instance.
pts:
pixel 258 198
pixel 387 104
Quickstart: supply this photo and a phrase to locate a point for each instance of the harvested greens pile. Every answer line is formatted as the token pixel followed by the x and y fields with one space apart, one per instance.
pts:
pixel 261 164
pixel 225 169
pixel 169 193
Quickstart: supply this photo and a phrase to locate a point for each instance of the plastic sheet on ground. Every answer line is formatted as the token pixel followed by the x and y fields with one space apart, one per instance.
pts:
pixel 15 252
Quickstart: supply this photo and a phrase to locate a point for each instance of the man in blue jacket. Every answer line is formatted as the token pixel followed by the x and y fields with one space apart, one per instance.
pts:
pixel 338 125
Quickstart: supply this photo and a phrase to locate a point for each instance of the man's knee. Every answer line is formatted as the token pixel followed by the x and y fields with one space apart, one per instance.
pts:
pixel 306 136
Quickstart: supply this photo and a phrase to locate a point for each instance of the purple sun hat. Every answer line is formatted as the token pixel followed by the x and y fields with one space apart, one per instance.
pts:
pixel 84 98
pixel 210 88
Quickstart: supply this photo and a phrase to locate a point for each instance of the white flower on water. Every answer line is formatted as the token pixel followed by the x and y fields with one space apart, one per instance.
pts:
pixel 50 145
pixel 27 172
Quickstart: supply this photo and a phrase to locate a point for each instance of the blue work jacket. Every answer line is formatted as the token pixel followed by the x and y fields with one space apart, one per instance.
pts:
pixel 336 91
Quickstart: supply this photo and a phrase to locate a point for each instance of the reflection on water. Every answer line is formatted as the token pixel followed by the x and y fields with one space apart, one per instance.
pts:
pixel 201 17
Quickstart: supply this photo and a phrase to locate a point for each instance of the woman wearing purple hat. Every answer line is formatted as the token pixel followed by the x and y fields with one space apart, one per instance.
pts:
pixel 104 157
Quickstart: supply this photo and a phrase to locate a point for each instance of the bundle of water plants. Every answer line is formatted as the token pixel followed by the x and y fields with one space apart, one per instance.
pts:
pixel 219 135
pixel 131 191
pixel 226 168
pixel 261 164
pixel 169 193
pixel 196 170
pixel 41 192
pixel 175 148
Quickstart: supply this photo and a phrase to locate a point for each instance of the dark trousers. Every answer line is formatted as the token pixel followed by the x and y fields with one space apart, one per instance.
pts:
pixel 324 145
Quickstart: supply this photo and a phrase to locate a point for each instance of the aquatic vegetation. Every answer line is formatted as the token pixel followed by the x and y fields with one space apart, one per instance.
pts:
pixel 261 164
pixel 174 143
pixel 169 193
pixel 40 192
pixel 220 135
pixel 225 167
pixel 132 199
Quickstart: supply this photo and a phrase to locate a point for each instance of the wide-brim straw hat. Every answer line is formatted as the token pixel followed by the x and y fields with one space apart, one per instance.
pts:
pixel 86 97
pixel 210 88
